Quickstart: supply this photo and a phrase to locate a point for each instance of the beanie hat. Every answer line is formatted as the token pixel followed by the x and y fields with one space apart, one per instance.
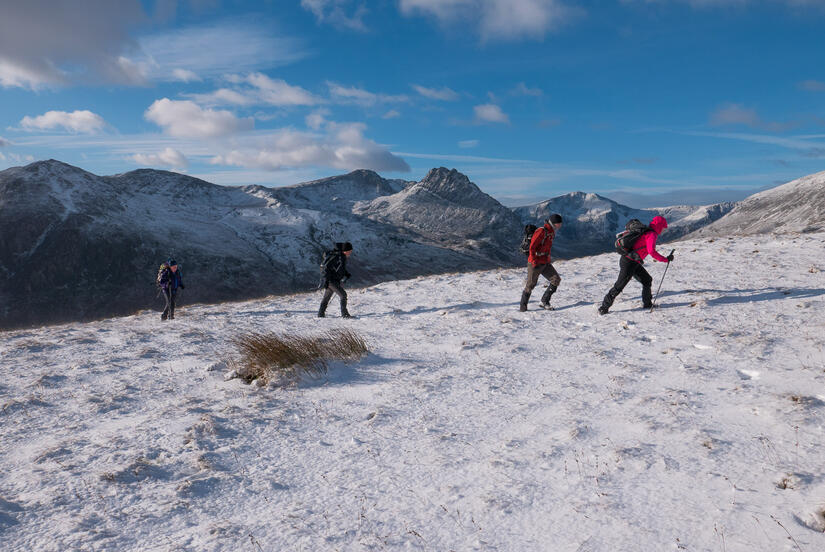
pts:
pixel 172 262
pixel 555 218
pixel 347 246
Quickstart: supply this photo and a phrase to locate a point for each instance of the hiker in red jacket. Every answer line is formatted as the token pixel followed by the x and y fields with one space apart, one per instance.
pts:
pixel 539 263
pixel 631 266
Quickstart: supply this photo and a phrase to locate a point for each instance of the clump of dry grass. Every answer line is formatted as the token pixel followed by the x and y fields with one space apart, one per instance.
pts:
pixel 268 357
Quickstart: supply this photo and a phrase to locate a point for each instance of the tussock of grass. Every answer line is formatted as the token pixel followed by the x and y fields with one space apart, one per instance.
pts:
pixel 268 357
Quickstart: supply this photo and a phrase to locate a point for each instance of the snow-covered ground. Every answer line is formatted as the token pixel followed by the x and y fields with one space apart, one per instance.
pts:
pixel 471 426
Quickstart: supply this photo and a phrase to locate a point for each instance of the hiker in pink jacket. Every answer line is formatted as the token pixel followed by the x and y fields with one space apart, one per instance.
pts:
pixel 632 266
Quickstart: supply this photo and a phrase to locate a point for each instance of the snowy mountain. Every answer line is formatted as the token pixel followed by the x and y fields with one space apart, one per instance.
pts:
pixel 798 206
pixel 78 246
pixel 470 426
pixel 449 210
pixel 591 221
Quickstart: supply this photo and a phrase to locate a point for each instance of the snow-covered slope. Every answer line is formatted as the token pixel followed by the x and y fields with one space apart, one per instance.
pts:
pixel 78 246
pixel 798 206
pixel 471 426
pixel 591 221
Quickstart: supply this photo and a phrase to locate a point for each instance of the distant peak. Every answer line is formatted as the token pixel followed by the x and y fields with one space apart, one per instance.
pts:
pixel 364 173
pixel 443 173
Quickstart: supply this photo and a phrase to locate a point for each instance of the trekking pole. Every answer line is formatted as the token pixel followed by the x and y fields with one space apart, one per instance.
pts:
pixel 660 283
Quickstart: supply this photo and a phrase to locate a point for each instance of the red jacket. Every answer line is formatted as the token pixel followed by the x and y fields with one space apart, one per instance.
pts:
pixel 647 243
pixel 541 244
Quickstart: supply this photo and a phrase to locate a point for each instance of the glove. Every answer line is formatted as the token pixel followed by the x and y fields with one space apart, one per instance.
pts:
pixel 670 258
pixel 182 286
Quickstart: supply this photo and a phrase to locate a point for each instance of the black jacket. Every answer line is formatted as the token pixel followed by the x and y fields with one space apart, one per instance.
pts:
pixel 335 267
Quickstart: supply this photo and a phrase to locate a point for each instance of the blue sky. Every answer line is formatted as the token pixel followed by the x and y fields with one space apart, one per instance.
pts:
pixel 698 99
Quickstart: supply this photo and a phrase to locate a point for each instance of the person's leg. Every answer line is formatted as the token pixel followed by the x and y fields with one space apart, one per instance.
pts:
pixel 552 275
pixel 532 279
pixel 342 294
pixel 168 300
pixel 626 270
pixel 325 301
pixel 643 277
pixel 173 295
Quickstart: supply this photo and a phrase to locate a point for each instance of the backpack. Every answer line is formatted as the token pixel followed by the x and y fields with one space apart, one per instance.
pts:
pixel 328 262
pixel 162 276
pixel 529 230
pixel 633 230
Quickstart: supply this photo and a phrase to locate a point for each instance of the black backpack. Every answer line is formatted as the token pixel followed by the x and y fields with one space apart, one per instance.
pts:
pixel 633 230
pixel 529 230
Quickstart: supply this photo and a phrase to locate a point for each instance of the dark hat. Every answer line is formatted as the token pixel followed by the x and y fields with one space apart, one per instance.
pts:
pixel 555 218
pixel 347 246
pixel 172 262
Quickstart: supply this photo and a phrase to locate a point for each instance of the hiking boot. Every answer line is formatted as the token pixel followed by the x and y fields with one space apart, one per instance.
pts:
pixel 321 315
pixel 163 317
pixel 602 310
pixel 346 315
pixel 525 297
pixel 546 306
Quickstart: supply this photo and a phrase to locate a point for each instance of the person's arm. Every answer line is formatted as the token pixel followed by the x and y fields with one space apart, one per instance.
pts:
pixel 650 244
pixel 534 243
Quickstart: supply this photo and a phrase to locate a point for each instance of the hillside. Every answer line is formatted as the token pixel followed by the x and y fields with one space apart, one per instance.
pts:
pixel 470 426
pixel 79 246
pixel 798 206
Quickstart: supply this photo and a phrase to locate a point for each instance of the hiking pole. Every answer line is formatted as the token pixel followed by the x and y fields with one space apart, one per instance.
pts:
pixel 653 305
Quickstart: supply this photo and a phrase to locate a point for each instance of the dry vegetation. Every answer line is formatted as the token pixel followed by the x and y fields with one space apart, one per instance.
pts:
pixel 283 358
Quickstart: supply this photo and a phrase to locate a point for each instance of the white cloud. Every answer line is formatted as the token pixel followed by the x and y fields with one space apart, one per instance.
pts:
pixel 84 122
pixel 185 75
pixel 496 19
pixel 4 143
pixel 47 43
pixel 334 12
pixel 262 90
pixel 352 94
pixel 490 113
pixel 44 44
pixel 343 146
pixel 317 119
pixel 391 114
pixel 278 92
pixel 233 46
pixel 443 94
pixel 186 119
pixel 224 96
pixel 168 157
pixel 467 144
pixel 522 89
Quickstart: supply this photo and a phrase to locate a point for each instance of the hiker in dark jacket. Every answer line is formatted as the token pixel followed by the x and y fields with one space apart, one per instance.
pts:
pixel 632 266
pixel 169 280
pixel 539 263
pixel 334 272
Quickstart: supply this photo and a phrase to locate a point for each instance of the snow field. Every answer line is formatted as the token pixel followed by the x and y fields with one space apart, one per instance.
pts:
pixel 471 426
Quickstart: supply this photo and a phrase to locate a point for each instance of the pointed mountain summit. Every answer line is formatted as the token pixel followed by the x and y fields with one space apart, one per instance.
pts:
pixel 446 208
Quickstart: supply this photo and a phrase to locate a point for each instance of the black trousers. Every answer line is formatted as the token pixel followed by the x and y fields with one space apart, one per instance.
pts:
pixel 334 287
pixel 170 295
pixel 628 270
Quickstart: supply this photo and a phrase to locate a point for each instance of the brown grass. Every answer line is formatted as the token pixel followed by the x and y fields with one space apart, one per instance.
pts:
pixel 283 358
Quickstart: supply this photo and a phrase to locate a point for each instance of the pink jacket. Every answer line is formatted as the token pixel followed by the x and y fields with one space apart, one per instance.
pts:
pixel 647 243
